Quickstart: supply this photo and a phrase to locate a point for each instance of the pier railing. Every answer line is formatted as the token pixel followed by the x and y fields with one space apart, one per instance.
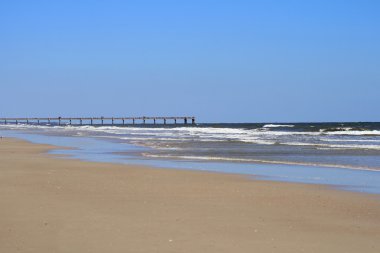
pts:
pixel 99 120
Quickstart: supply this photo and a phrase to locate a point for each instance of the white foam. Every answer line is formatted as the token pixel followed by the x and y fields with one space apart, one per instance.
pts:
pixel 333 146
pixel 354 132
pixel 350 140
pixel 212 158
pixel 276 125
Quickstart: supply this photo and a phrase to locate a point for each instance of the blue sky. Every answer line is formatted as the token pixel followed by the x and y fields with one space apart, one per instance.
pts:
pixel 222 61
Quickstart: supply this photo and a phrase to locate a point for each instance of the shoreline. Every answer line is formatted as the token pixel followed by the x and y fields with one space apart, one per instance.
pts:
pixel 102 150
pixel 260 162
pixel 64 205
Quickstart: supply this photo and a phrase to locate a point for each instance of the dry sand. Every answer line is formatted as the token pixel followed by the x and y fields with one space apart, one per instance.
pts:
pixel 58 205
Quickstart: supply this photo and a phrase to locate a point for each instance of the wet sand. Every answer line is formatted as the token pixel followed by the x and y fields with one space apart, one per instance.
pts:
pixel 48 204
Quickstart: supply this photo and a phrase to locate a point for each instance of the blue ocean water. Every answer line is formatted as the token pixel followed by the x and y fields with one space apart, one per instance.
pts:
pixel 344 155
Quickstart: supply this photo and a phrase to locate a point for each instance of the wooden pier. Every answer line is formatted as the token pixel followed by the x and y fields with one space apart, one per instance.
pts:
pixel 99 120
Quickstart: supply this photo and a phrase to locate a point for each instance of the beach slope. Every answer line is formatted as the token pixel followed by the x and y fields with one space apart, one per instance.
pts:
pixel 48 204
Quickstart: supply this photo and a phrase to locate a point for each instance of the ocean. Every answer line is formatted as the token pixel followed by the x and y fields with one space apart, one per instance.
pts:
pixel 286 151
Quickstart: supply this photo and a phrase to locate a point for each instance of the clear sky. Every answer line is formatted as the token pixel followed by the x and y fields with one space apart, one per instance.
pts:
pixel 222 61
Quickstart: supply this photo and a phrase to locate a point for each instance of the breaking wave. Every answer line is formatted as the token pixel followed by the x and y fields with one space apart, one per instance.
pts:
pixel 324 143
pixel 276 125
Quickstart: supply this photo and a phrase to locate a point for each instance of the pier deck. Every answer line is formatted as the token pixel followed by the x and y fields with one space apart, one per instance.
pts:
pixel 98 120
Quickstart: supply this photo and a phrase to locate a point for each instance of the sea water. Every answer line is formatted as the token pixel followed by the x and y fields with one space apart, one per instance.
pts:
pixel 345 155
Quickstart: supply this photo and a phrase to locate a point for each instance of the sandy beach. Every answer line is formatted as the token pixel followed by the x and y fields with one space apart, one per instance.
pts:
pixel 49 204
